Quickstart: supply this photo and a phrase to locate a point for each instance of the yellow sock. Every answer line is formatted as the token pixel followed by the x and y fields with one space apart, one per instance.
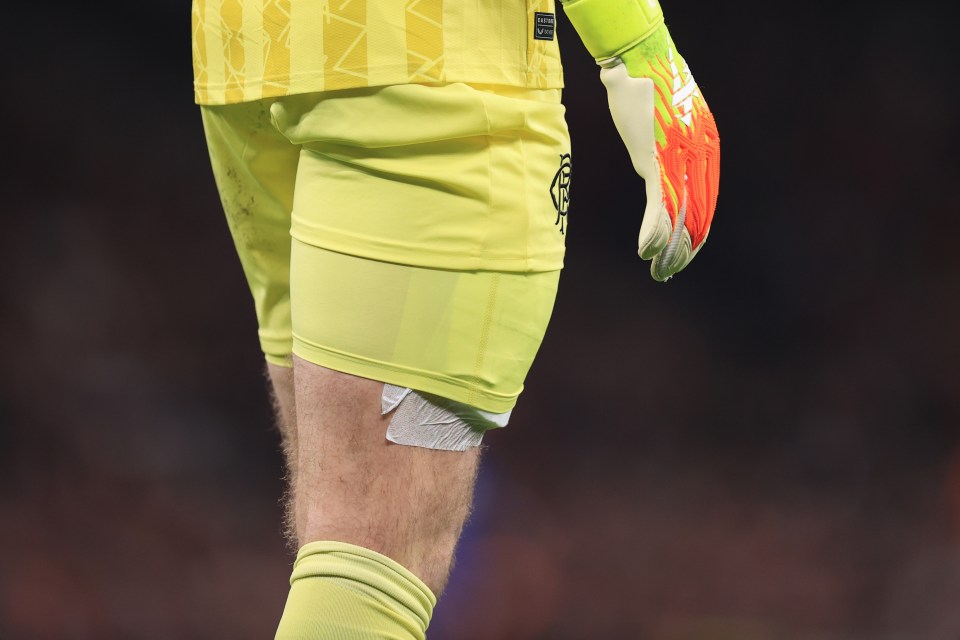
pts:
pixel 340 591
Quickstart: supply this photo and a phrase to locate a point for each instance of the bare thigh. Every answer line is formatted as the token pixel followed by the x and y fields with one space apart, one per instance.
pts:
pixel 353 485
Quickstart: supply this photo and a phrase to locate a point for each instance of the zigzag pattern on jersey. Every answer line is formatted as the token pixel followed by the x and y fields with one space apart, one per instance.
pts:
pixel 276 47
pixel 424 19
pixel 345 44
pixel 199 44
pixel 234 58
pixel 252 49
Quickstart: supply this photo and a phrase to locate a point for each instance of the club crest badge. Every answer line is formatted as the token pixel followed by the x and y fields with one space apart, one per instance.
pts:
pixel 560 190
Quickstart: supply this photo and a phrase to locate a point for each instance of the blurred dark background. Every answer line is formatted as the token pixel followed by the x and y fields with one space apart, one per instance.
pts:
pixel 764 448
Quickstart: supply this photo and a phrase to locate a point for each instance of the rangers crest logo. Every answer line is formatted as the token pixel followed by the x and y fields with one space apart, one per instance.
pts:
pixel 560 190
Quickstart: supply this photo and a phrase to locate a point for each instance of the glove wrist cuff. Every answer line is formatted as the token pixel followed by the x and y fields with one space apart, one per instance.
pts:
pixel 610 27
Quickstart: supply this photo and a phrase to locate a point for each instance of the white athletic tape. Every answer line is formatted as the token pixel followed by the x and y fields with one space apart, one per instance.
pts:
pixel 433 422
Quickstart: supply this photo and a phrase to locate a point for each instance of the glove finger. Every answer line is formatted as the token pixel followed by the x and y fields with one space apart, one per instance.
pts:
pixel 674 258
pixel 679 250
pixel 656 228
pixel 703 177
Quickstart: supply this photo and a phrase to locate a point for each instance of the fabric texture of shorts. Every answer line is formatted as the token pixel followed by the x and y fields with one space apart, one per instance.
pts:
pixel 411 234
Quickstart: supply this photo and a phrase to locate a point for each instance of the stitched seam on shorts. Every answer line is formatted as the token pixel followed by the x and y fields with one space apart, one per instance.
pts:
pixel 485 240
pixel 473 390
pixel 485 327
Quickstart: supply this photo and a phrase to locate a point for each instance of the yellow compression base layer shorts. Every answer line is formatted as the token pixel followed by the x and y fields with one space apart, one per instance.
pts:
pixel 427 223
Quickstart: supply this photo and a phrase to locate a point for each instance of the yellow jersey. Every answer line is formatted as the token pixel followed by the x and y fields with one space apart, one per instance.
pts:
pixel 246 50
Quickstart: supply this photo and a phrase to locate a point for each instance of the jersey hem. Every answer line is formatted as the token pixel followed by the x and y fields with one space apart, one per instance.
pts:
pixel 314 82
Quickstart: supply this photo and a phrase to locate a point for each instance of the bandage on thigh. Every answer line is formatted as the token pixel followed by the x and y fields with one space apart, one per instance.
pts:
pixel 432 422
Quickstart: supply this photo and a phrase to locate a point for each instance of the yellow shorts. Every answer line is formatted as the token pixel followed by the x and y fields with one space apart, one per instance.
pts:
pixel 427 222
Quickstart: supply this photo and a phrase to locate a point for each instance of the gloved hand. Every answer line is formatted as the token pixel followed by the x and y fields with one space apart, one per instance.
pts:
pixel 663 120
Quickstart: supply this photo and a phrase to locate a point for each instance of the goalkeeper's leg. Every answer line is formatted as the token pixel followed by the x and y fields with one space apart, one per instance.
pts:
pixel 281 386
pixel 379 520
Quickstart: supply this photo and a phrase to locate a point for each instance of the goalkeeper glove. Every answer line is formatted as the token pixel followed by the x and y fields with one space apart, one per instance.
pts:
pixel 664 121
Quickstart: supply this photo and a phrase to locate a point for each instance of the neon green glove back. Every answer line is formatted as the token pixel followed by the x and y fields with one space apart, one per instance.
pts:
pixel 664 121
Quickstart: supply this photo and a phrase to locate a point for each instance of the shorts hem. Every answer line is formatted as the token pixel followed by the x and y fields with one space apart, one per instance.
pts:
pixel 419 380
pixel 280 361
pixel 349 244
pixel 276 349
